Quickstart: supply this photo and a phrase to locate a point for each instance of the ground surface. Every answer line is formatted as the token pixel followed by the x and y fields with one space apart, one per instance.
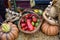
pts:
pixel 36 36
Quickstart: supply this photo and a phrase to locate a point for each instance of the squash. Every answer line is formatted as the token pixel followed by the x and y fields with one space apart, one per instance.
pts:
pixel 8 31
pixel 49 29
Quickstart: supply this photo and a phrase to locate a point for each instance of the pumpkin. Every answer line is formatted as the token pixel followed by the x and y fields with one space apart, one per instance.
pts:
pixel 49 29
pixel 8 31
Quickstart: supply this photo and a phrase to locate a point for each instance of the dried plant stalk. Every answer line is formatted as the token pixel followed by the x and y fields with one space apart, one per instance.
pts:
pixel 57 6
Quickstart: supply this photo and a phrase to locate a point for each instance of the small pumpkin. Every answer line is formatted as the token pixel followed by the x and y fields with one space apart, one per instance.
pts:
pixel 49 29
pixel 8 31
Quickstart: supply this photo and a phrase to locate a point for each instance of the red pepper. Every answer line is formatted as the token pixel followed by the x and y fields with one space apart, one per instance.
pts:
pixel 30 26
pixel 22 20
pixel 27 16
pixel 23 24
pixel 24 28
pixel 34 28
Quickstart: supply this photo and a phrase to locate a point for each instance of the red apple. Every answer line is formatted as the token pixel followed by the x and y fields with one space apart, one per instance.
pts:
pixel 34 19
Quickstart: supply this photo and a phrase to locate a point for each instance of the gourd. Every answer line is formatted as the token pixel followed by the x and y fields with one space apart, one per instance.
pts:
pixel 49 29
pixel 51 14
pixel 8 31
pixel 50 19
pixel 57 6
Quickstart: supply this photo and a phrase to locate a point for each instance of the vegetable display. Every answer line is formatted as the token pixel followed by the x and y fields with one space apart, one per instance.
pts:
pixel 29 22
pixel 8 31
pixel 30 26
pixel 49 29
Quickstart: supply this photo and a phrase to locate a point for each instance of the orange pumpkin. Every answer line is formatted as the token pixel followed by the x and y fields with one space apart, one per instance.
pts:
pixel 8 34
pixel 49 29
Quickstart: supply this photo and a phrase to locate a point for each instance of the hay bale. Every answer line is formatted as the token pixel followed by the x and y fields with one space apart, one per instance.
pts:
pixel 36 36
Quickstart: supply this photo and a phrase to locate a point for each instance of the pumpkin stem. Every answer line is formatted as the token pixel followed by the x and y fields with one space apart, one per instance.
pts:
pixel 5 27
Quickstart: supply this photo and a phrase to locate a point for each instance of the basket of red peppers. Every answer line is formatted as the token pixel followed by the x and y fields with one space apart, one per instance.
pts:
pixel 30 23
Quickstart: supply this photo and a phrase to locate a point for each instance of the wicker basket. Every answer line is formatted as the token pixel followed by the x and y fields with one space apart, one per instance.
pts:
pixel 30 32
